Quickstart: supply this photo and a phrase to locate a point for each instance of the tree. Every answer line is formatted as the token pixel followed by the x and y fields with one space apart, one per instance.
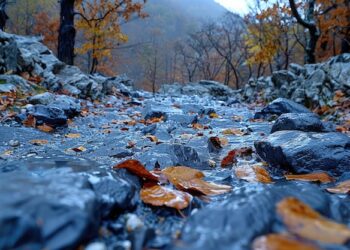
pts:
pixel 3 15
pixel 309 23
pixel 48 27
pixel 100 22
pixel 66 36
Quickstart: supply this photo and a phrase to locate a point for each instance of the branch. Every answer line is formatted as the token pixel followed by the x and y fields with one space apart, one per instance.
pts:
pixel 296 14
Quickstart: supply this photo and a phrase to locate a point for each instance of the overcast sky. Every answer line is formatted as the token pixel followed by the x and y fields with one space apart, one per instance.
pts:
pixel 240 6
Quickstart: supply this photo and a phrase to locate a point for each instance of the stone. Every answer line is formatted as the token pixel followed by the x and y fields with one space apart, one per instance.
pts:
pixel 237 221
pixel 281 106
pixel 306 122
pixel 44 98
pixel 306 152
pixel 8 53
pixel 50 115
pixel 283 78
pixel 14 143
pixel 17 83
pixel 133 222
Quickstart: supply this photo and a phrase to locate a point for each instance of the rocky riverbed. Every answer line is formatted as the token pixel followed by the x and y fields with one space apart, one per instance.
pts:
pixel 63 133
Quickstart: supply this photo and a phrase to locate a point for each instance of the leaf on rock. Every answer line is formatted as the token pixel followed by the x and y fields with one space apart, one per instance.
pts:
pixel 30 121
pixel 79 149
pixel 321 177
pixel 216 142
pixel 213 115
pixel 163 196
pixel 229 159
pixel 281 242
pixel 253 174
pixel 136 168
pixel 45 128
pixel 152 138
pixel 303 221
pixel 39 142
pixel 72 136
pixel 236 132
pixel 341 188
pixel 191 180
pixel 197 126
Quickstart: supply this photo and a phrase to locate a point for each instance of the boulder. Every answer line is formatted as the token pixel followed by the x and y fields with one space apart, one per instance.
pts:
pixel 306 152
pixel 15 83
pixel 306 122
pixel 52 116
pixel 44 98
pixel 8 53
pixel 281 106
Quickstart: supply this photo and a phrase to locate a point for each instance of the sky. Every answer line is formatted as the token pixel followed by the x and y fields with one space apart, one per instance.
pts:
pixel 240 6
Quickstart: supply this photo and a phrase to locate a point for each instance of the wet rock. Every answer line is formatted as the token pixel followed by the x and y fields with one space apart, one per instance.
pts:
pixel 14 143
pixel 50 115
pixel 133 222
pixel 302 152
pixel 16 83
pixel 246 214
pixel 44 98
pixel 8 53
pixel 281 106
pixel 306 122
pixel 70 105
pixel 182 120
pixel 282 78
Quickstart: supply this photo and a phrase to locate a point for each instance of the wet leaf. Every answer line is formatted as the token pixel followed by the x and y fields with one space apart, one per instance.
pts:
pixel 163 196
pixel 45 128
pixel 303 221
pixel 191 180
pixel 197 126
pixel 312 177
pixel 253 174
pixel 213 115
pixel 229 159
pixel 341 188
pixel 236 132
pixel 281 242
pixel 72 136
pixel 30 121
pixel 39 142
pixel 216 142
pixel 152 138
pixel 79 149
pixel 136 168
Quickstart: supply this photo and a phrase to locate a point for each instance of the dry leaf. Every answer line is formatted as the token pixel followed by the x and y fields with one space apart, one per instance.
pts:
pixel 197 126
pixel 79 149
pixel 236 132
pixel 312 177
pixel 216 142
pixel 152 138
pixel 39 142
pixel 30 121
pixel 303 221
pixel 341 188
pixel 280 242
pixel 229 159
pixel 45 128
pixel 162 196
pixel 137 169
pixel 253 174
pixel 191 180
pixel 213 115
pixel 72 136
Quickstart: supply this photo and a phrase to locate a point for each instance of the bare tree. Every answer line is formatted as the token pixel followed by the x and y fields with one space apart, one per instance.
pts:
pixel 3 15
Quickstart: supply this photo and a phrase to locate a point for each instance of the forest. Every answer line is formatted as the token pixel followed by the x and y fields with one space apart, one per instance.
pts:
pixel 175 124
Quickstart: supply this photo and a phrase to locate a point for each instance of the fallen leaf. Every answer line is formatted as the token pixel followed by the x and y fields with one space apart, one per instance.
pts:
pixel 213 115
pixel 136 168
pixel 197 126
pixel 45 128
pixel 341 188
pixel 236 132
pixel 223 141
pixel 39 142
pixel 72 136
pixel 79 149
pixel 163 196
pixel 152 138
pixel 303 221
pixel 229 159
pixel 30 121
pixel 253 174
pixel 216 142
pixel 191 180
pixel 312 177
pixel 281 242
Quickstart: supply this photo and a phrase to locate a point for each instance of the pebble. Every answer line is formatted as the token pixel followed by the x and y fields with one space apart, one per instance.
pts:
pixel 133 222
pixel 96 246
pixel 14 143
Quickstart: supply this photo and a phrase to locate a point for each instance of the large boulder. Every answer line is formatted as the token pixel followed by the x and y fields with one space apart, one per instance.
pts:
pixel 302 152
pixel 8 53
pixel 306 122
pixel 52 116
pixel 281 106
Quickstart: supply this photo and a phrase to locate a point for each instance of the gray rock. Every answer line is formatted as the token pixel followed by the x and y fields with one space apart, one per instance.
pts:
pixel 44 98
pixel 17 83
pixel 281 106
pixel 282 78
pixel 8 53
pixel 302 152
pixel 306 122
pixel 50 115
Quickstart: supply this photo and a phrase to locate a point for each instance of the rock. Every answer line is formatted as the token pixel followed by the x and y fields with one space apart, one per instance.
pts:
pixel 235 222
pixel 50 115
pixel 96 246
pixel 306 122
pixel 133 222
pixel 70 105
pixel 8 53
pixel 283 78
pixel 16 83
pixel 281 106
pixel 44 98
pixel 182 119
pixel 14 143
pixel 302 152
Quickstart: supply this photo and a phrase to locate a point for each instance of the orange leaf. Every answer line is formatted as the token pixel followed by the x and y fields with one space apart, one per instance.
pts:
pixel 216 142
pixel 181 173
pixel 152 138
pixel 280 242
pixel 229 159
pixel 137 169
pixel 79 149
pixel 305 222
pixel 39 142
pixel 213 115
pixel 236 132
pixel 45 128
pixel 341 188
pixel 253 174
pixel 30 121
pixel 72 136
pixel 162 196
pixel 312 177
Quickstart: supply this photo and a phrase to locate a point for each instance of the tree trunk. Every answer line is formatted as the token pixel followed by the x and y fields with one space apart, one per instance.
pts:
pixel 3 15
pixel 66 37
pixel 310 24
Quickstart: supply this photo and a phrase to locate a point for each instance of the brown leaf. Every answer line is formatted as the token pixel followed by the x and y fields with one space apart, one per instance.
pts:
pixel 236 132
pixel 163 196
pixel 312 177
pixel 215 141
pixel 45 128
pixel 341 188
pixel 79 149
pixel 152 138
pixel 72 136
pixel 30 121
pixel 303 221
pixel 137 169
pixel 39 142
pixel 213 115
pixel 253 174
pixel 197 126
pixel 191 180
pixel 281 242
pixel 229 159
